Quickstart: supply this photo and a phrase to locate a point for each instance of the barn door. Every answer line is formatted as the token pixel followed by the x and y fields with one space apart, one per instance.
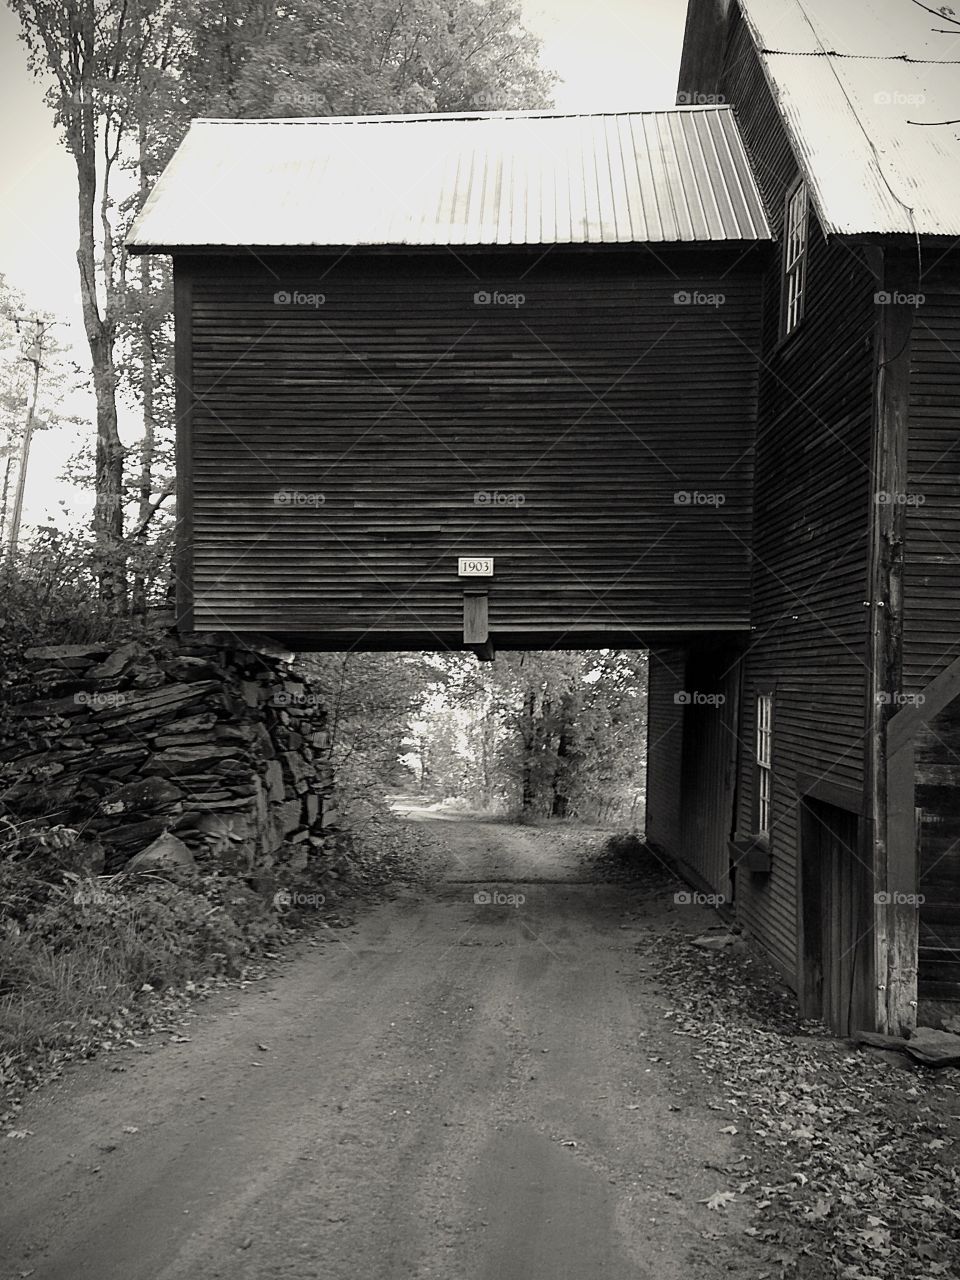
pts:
pixel 835 918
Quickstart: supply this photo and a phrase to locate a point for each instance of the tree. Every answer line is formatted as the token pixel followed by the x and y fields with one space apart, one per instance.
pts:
pixel 558 735
pixel 34 380
pixel 359 57
pixel 128 75
pixel 97 52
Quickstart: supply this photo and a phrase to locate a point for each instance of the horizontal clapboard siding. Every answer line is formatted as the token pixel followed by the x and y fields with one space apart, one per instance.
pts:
pixel 709 762
pixel 811 523
pixel 931 633
pixel 665 748
pixel 337 448
pixel 938 800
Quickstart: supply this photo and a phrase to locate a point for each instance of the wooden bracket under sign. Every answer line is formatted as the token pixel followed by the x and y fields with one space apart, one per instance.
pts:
pixel 476 626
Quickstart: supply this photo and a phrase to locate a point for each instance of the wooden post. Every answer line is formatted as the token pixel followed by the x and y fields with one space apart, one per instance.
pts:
pixel 183 367
pixel 891 825
pixel 476 628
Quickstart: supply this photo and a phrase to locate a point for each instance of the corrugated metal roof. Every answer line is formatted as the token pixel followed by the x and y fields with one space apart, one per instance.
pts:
pixel 851 78
pixel 499 178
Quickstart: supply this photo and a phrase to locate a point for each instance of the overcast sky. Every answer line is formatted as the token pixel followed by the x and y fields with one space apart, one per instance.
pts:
pixel 611 55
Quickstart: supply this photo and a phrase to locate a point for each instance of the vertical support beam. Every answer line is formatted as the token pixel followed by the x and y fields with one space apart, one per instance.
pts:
pixel 890 780
pixel 183 371
pixel 476 625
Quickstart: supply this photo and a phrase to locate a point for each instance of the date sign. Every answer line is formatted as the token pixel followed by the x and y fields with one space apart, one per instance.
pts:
pixel 475 567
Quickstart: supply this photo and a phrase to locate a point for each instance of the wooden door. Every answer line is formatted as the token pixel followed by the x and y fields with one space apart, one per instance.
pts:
pixel 835 918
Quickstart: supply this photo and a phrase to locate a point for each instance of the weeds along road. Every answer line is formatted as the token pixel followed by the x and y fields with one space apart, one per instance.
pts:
pixel 456 1089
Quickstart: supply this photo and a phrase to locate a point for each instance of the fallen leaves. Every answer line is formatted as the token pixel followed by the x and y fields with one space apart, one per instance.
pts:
pixel 719 1200
pixel 853 1167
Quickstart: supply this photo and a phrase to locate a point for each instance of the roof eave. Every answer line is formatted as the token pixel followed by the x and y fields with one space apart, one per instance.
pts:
pixel 259 251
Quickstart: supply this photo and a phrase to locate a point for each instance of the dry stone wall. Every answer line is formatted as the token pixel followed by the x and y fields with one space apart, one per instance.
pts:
pixel 227 749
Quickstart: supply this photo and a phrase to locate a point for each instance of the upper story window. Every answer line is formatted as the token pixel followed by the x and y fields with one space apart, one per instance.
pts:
pixel 763 771
pixel 795 236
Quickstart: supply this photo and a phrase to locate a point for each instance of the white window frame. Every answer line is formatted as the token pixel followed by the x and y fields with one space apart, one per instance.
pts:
pixel 796 238
pixel 763 758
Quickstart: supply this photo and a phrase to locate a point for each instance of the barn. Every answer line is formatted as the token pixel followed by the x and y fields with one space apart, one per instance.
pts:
pixel 503 357
pixel 655 379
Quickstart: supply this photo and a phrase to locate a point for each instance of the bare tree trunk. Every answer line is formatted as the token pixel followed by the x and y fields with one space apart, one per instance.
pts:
pixel 528 732
pixel 37 361
pixel 147 387
pixel 100 330
pixel 5 496
pixel 561 803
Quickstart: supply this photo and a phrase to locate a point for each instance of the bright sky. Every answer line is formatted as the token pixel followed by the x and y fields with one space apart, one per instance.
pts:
pixel 611 55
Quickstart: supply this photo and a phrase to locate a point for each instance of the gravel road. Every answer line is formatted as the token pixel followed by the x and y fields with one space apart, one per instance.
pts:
pixel 460 1089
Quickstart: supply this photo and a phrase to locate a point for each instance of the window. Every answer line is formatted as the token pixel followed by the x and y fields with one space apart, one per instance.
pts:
pixel 795 223
pixel 764 764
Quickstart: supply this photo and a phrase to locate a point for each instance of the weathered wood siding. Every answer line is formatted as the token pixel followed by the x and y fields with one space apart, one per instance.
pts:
pixel 343 454
pixel 710 759
pixel 691 755
pixel 810 537
pixel 666 680
pixel 931 633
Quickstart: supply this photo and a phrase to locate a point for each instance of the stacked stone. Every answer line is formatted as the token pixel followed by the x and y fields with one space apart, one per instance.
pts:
pixel 225 748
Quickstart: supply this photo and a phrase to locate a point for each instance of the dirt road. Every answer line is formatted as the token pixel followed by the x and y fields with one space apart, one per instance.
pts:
pixel 454 1088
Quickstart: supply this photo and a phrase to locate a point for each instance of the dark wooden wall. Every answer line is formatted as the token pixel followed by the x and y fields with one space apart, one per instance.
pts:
pixel 931 633
pixel 393 403
pixel 710 758
pixel 812 508
pixel 666 679
pixel 693 708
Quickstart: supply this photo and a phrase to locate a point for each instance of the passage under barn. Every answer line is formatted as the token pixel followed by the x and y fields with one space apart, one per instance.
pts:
pixel 464 380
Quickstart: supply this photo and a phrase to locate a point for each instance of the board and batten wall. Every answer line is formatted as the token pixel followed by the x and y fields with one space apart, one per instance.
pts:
pixel 811 523
pixel 353 426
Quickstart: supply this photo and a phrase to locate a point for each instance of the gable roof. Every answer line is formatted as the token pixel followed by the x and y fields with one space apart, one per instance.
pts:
pixel 497 178
pixel 862 86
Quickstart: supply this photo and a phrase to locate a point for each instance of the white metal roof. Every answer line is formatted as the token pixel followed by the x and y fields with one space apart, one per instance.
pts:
pixel 850 77
pixel 499 178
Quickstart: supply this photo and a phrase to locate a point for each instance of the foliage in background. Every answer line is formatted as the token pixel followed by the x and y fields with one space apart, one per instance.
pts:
pixel 125 77
pixel 557 735
pixel 36 377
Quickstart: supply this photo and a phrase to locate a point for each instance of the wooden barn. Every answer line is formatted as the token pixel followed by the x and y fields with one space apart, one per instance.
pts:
pixel 826 802
pixel 661 380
